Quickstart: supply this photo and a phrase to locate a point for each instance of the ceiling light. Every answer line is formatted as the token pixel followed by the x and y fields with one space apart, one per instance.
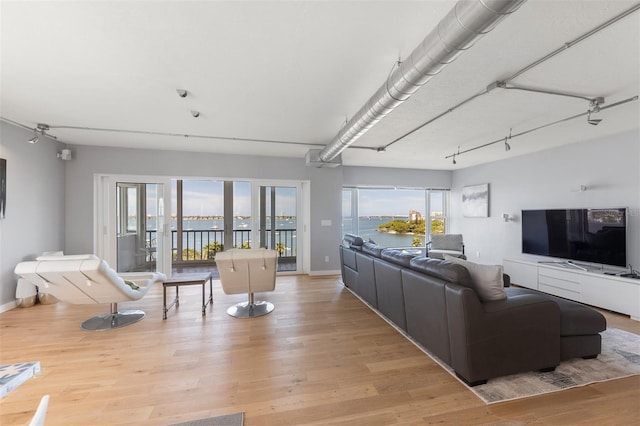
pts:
pixel 182 93
pixel 593 121
pixel 454 159
pixel 507 147
pixel 37 132
pixel 195 114
pixel 594 107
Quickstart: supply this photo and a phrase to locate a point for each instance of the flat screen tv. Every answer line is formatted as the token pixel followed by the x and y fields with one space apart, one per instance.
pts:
pixel 588 235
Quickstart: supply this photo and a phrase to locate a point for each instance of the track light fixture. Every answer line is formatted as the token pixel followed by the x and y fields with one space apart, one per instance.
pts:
pixel 195 114
pixel 454 159
pixel 37 132
pixel 507 147
pixel 182 93
pixel 35 138
pixel 594 107
pixel 593 121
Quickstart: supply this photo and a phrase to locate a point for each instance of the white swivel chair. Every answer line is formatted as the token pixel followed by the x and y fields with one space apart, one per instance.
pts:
pixel 442 244
pixel 86 279
pixel 248 271
pixel 41 412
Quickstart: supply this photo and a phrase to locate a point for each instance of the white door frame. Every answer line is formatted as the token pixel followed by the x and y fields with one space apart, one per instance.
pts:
pixel 104 228
pixel 302 218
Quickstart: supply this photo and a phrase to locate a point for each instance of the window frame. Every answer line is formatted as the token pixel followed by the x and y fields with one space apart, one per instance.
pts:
pixel 354 197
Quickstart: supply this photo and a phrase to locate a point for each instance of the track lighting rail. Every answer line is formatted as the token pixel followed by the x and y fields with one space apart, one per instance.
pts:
pixel 503 85
pixel 511 136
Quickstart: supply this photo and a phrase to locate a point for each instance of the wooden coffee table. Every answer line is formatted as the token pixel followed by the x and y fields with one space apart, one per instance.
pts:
pixel 187 279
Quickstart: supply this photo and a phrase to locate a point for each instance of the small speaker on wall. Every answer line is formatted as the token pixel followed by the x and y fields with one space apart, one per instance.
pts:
pixel 65 154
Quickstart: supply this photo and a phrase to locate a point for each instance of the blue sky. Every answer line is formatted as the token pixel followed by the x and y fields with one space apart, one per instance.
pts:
pixel 204 198
pixel 392 202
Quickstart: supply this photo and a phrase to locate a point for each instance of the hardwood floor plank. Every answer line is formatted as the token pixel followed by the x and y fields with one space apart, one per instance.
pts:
pixel 321 358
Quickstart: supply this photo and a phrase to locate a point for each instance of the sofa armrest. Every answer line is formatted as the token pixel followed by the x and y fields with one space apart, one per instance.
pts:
pixel 503 337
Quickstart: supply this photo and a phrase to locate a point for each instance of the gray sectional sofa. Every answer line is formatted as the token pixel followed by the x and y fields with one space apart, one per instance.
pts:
pixel 436 302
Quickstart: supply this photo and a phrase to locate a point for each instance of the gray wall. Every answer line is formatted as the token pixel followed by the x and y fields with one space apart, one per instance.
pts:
pixel 550 179
pixel 325 188
pixel 34 220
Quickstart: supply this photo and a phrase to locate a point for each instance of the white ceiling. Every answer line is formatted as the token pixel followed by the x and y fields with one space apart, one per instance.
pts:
pixel 294 70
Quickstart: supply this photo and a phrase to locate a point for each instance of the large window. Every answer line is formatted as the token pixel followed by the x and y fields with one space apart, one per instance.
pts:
pixel 395 217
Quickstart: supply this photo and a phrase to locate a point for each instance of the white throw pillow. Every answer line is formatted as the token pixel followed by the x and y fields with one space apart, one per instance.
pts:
pixel 487 279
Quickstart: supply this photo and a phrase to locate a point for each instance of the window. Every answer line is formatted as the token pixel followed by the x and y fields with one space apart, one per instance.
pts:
pixel 349 211
pixel 438 200
pixel 127 208
pixel 395 217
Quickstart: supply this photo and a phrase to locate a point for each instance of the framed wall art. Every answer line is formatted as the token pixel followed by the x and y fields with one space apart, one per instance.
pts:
pixel 475 200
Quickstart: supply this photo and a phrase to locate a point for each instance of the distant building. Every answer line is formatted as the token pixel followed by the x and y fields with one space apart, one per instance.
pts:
pixel 415 216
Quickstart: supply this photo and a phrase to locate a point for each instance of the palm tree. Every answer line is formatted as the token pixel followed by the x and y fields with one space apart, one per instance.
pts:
pixel 211 249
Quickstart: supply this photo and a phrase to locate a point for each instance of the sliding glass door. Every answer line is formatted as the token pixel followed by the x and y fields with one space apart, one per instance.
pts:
pixel 175 225
pixel 131 231
pixel 277 222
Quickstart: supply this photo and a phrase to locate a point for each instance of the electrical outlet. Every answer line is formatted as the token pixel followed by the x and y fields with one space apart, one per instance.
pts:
pixel 326 258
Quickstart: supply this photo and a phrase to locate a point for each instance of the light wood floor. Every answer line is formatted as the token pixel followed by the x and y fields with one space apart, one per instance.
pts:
pixel 320 358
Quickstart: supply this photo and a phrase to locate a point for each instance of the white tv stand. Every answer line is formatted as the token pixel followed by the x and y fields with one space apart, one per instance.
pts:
pixel 574 282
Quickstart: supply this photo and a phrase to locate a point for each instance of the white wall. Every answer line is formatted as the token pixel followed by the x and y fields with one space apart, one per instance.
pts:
pixel 34 220
pixel 550 179
pixel 325 188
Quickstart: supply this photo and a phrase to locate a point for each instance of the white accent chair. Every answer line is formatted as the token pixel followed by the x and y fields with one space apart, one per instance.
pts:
pixel 442 244
pixel 248 271
pixel 41 412
pixel 86 279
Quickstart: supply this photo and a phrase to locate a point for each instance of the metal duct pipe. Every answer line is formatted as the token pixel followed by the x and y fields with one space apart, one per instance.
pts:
pixel 456 32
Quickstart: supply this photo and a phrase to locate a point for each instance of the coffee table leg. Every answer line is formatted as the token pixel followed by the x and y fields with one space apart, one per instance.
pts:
pixel 204 311
pixel 210 290
pixel 164 302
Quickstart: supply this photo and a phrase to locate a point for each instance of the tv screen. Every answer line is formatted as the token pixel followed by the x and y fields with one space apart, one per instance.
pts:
pixel 588 235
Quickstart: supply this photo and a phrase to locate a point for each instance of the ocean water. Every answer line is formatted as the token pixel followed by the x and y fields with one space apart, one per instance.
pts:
pixel 205 231
pixel 368 229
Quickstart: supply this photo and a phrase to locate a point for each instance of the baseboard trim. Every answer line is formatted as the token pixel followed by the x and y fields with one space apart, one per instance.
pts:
pixel 323 273
pixel 8 306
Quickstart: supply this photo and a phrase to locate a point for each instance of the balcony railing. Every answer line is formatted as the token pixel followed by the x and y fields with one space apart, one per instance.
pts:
pixel 201 245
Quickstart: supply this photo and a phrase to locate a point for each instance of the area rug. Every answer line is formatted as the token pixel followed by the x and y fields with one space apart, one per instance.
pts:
pixel 13 375
pixel 236 419
pixel 620 357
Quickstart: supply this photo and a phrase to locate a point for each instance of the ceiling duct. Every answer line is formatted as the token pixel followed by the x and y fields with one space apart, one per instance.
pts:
pixel 456 32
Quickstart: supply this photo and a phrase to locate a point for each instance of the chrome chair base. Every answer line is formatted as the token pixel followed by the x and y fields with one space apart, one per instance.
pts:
pixel 250 310
pixel 109 321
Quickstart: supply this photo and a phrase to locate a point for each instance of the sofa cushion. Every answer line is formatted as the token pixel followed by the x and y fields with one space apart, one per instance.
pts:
pixel 487 279
pixel 447 242
pixel 576 319
pixel 446 271
pixel 372 249
pixel 398 257
pixel 352 241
